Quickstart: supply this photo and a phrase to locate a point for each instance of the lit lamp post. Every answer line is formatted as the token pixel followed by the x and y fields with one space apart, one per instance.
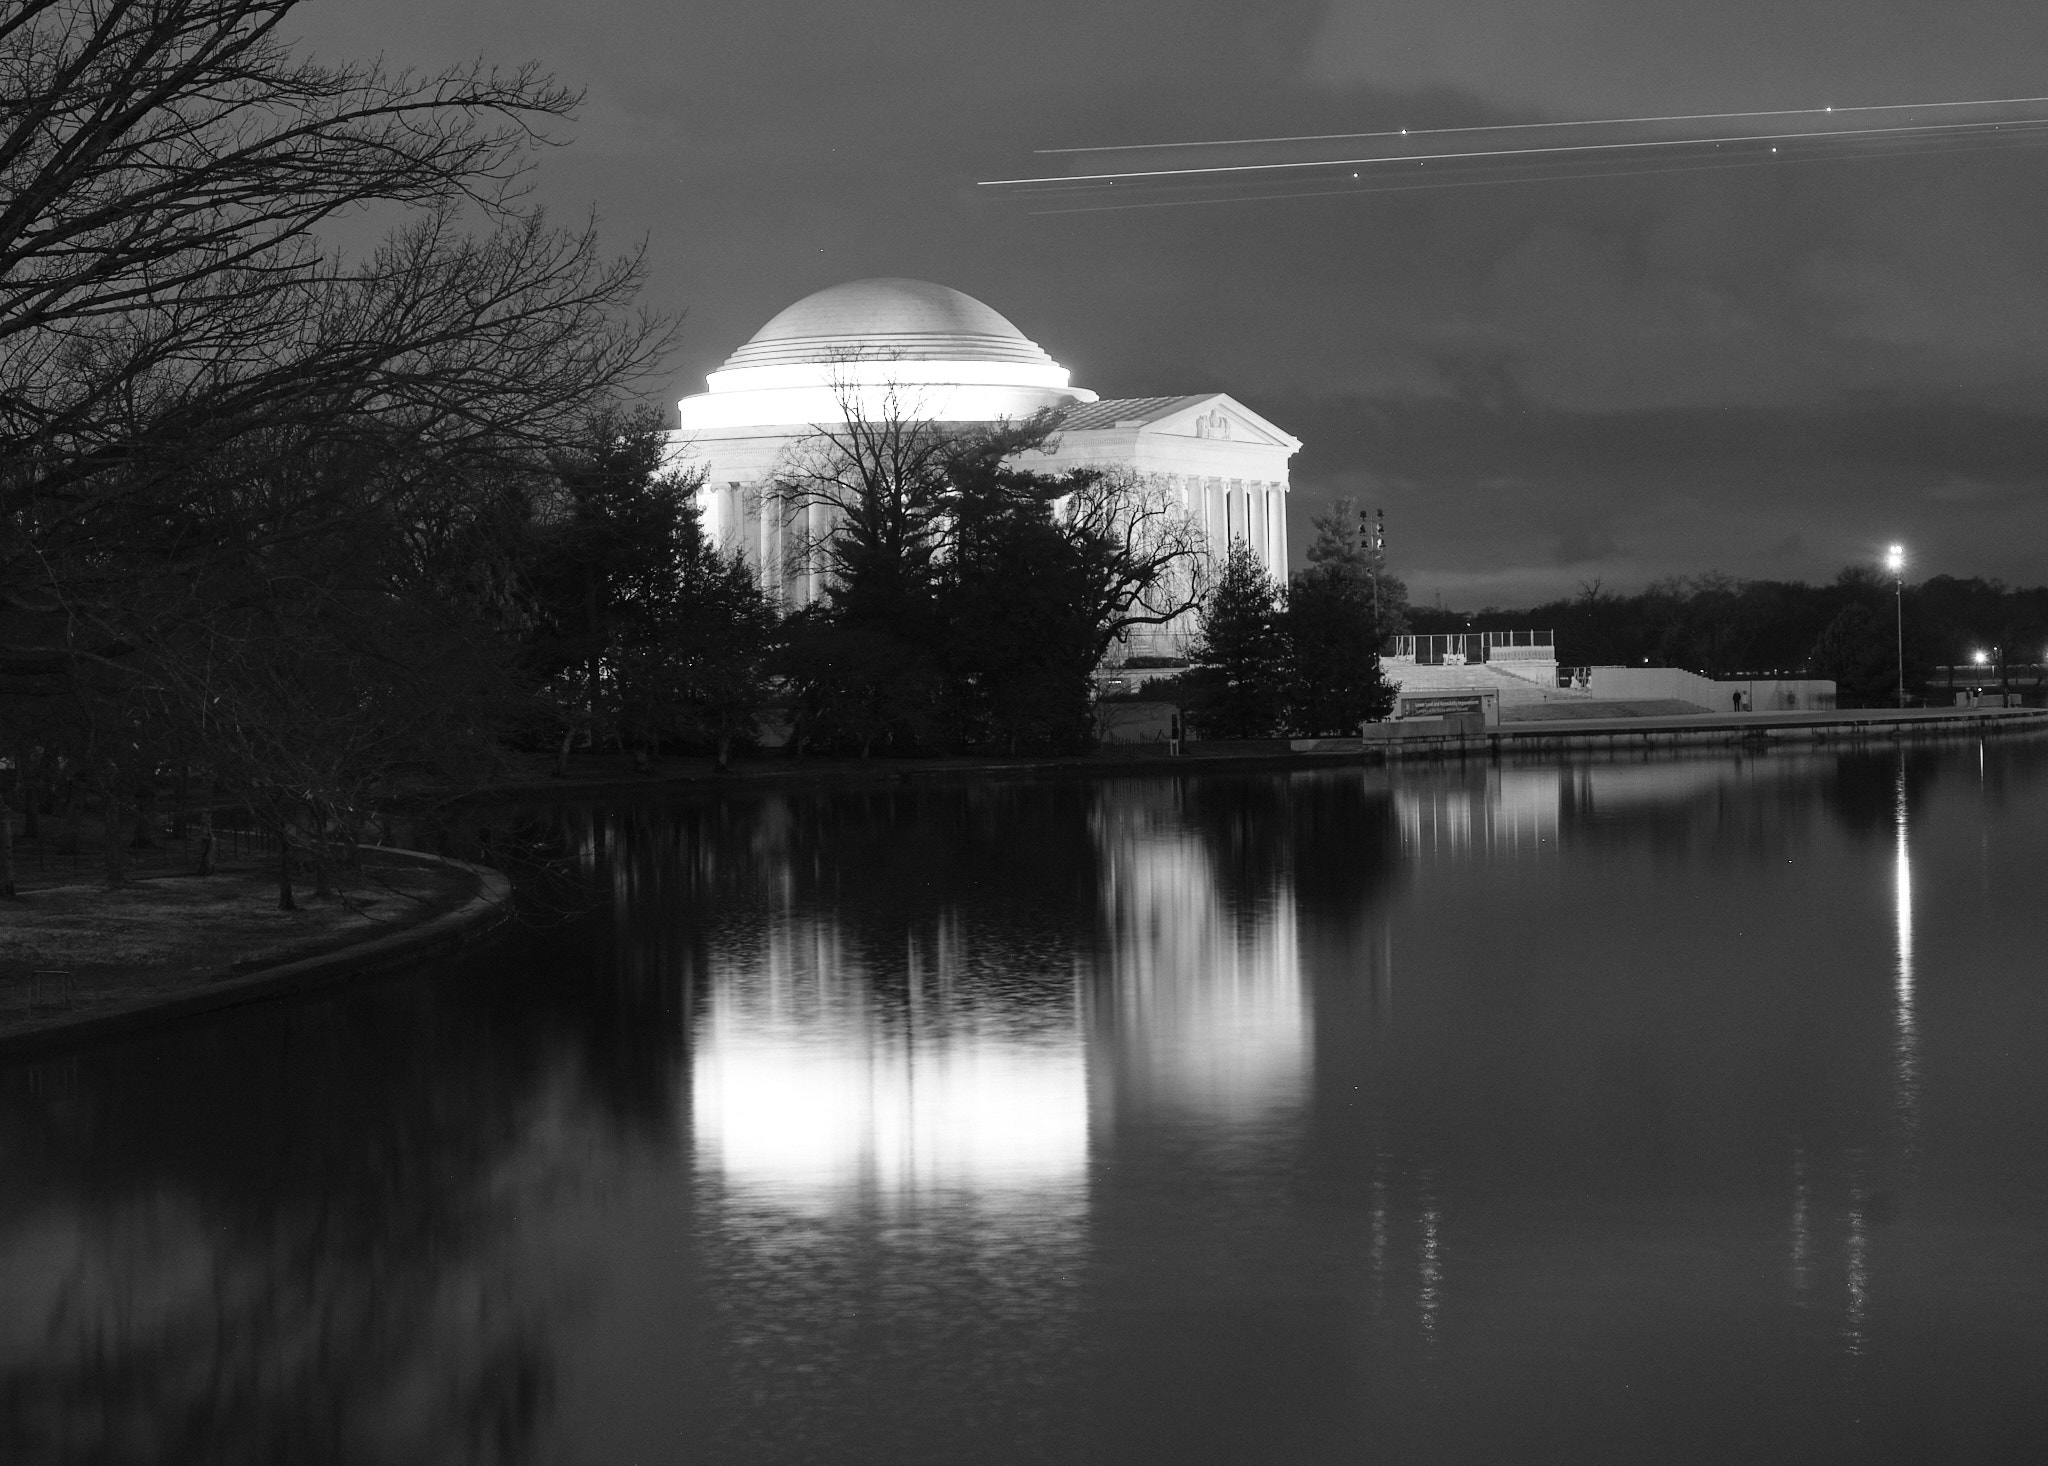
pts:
pixel 1986 659
pixel 1895 561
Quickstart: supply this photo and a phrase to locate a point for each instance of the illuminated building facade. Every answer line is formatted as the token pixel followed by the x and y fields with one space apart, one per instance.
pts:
pixel 911 349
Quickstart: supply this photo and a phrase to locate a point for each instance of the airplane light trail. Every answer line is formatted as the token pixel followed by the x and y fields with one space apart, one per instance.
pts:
pixel 1412 185
pixel 1497 155
pixel 1333 137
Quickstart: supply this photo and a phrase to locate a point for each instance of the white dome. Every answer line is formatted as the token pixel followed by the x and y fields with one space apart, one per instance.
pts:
pixel 938 353
pixel 903 320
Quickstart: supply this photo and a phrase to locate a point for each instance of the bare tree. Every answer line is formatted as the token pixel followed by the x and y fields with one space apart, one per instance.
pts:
pixel 154 155
pixel 1146 557
pixel 969 598
pixel 165 170
pixel 206 417
pixel 880 479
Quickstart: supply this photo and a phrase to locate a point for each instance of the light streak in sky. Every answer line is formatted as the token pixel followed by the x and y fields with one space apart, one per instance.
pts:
pixel 1497 155
pixel 1333 137
pixel 1413 184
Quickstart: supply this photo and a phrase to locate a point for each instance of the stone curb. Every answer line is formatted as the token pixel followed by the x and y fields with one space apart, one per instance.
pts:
pixel 452 931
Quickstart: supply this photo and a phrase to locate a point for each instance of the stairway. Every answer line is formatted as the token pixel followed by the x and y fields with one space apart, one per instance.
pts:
pixel 1514 690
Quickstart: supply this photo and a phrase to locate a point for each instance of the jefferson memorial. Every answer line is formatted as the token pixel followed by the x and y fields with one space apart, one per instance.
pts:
pixel 946 358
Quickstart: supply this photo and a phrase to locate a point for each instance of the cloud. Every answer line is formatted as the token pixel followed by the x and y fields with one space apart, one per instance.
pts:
pixel 1594 58
pixel 1583 546
pixel 1486 501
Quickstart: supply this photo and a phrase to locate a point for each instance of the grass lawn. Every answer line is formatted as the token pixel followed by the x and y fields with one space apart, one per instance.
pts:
pixel 169 931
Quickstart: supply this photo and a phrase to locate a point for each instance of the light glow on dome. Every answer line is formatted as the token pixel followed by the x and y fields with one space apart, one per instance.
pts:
pixel 869 346
pixel 889 371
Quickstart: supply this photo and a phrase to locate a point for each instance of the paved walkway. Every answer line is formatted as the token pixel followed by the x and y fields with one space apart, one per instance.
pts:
pixel 1849 720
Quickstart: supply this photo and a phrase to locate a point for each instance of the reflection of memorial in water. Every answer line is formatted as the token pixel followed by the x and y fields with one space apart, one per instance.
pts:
pixel 813 1085
pixel 891 1174
pixel 1202 998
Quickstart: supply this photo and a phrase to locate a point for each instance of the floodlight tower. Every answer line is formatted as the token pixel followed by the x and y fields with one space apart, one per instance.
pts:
pixel 1372 540
pixel 1895 561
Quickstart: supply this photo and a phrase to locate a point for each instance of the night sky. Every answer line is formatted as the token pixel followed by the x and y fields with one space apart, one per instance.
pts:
pixel 1766 371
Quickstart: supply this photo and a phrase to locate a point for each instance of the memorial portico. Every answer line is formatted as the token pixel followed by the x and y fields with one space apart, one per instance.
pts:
pixel 1225 463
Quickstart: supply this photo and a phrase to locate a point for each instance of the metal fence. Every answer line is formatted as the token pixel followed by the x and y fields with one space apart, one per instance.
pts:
pixel 1468 647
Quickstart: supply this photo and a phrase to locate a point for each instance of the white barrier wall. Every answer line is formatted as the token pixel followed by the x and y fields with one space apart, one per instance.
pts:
pixel 1759 694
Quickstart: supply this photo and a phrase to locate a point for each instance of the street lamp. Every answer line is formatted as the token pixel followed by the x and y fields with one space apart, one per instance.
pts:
pixel 1895 561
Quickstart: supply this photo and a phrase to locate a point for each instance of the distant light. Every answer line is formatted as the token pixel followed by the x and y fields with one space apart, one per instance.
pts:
pixel 1980 658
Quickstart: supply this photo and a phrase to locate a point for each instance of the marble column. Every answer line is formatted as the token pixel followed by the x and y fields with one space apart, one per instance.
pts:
pixel 1280 514
pixel 814 553
pixel 779 548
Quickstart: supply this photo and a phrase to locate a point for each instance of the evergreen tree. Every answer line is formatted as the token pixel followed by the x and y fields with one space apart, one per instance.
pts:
pixel 855 685
pixel 694 662
pixel 1333 660
pixel 1020 641
pixel 968 600
pixel 1240 689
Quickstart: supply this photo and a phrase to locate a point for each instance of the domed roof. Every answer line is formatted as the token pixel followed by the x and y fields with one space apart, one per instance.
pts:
pixel 902 320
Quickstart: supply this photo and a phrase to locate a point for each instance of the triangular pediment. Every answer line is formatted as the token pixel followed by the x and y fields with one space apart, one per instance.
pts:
pixel 1219 416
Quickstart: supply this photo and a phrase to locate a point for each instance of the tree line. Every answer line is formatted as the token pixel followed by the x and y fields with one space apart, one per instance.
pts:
pixel 968 601
pixel 1848 630
pixel 965 601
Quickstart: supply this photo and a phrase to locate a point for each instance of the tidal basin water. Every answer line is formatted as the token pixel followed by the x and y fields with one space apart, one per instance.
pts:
pixel 1684 1110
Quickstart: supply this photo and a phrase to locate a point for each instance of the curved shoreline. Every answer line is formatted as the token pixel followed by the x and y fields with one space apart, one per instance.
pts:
pixel 468 925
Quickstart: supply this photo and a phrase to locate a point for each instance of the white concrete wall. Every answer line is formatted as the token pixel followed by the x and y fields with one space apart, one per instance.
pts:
pixel 1761 694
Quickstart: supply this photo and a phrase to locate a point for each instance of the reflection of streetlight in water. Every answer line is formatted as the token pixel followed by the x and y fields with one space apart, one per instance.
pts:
pixel 1868 1207
pixel 1856 1274
pixel 1905 1021
pixel 1429 1261
pixel 1802 1228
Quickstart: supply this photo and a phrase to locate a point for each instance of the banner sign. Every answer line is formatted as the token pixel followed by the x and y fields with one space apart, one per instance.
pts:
pixel 1443 705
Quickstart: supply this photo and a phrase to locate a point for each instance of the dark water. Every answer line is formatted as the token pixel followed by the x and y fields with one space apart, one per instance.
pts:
pixel 1677 1111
